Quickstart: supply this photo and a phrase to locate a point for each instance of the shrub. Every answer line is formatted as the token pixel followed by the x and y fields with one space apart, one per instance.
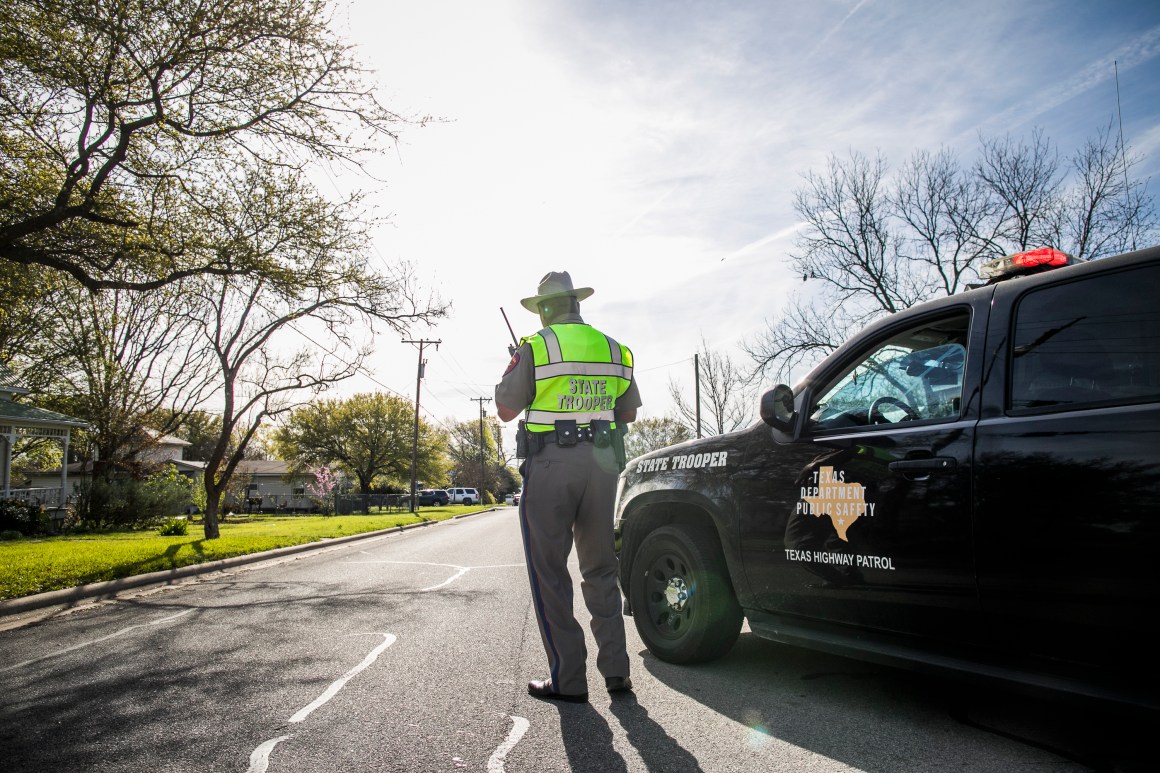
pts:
pixel 134 502
pixel 488 498
pixel 174 527
pixel 19 515
pixel 9 534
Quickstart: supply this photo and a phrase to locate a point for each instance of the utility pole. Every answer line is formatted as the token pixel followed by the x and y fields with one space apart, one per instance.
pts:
pixel 415 441
pixel 482 474
pixel 697 381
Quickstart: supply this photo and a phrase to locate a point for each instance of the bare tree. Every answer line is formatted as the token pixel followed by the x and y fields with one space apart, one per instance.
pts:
pixel 126 362
pixel 849 243
pixel 1106 211
pixel 115 117
pixel 874 245
pixel 265 330
pixel 803 333
pixel 724 395
pixel 269 364
pixel 943 214
pixel 1026 181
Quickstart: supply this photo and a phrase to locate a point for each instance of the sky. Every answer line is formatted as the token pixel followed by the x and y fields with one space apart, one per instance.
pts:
pixel 652 150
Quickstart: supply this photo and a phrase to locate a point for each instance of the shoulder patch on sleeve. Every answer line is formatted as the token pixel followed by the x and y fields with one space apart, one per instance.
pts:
pixel 512 365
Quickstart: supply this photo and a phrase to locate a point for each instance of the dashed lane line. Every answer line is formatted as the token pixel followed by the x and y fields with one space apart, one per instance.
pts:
pixel 330 692
pixel 82 645
pixel 260 757
pixel 462 570
pixel 519 727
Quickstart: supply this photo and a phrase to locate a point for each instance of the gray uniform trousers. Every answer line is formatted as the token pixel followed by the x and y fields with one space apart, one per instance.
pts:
pixel 570 493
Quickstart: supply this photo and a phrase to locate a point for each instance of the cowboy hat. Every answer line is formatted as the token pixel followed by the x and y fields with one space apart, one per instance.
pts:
pixel 555 284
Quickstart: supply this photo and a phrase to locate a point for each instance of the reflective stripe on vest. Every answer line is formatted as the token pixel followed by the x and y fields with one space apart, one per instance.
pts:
pixel 579 372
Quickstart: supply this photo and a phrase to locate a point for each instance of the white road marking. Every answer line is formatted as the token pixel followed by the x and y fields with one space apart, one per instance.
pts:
pixel 330 692
pixel 94 641
pixel 519 727
pixel 260 757
pixel 462 570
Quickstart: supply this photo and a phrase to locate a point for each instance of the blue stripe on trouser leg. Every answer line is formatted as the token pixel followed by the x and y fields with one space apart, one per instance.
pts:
pixel 595 547
pixel 534 581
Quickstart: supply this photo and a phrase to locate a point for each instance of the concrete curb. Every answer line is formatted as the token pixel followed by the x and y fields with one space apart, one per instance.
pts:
pixel 110 588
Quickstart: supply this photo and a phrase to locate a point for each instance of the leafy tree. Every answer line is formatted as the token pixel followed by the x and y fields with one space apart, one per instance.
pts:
pixel 874 244
pixel 645 435
pixel 200 429
pixel 464 451
pixel 507 479
pixel 366 436
pixel 27 320
pixel 118 120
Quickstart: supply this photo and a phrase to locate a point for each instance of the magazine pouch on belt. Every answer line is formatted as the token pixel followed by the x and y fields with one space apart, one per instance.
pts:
pixel 601 432
pixel 567 433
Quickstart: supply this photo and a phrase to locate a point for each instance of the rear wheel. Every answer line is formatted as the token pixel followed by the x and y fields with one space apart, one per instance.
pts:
pixel 682 601
pixel 467 501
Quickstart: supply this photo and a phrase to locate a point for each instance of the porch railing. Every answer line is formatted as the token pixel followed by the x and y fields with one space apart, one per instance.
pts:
pixel 47 497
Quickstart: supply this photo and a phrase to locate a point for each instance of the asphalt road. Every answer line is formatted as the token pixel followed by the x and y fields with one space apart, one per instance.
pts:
pixel 411 652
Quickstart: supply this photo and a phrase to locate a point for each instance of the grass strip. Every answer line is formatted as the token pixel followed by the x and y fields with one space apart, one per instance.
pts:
pixel 31 566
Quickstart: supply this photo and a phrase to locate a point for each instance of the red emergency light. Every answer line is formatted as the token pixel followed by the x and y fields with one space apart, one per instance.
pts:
pixel 1044 257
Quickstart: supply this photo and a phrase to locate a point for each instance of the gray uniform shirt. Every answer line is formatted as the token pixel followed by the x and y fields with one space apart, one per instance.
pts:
pixel 517 388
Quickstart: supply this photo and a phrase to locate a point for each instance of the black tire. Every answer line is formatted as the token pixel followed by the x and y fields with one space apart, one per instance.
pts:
pixel 467 501
pixel 682 600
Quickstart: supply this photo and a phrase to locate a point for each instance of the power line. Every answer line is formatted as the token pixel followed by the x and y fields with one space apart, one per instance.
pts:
pixel 669 365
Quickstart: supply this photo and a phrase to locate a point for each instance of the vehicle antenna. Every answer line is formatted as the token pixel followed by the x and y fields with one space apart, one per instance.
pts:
pixel 1123 152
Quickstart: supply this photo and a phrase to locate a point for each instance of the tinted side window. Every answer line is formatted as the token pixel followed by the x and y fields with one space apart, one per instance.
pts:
pixel 1086 342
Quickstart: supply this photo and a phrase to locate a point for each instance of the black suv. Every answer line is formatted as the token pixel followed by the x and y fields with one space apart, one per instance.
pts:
pixel 971 484
pixel 433 497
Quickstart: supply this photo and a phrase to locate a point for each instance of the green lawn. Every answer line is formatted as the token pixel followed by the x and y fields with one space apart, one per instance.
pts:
pixel 30 566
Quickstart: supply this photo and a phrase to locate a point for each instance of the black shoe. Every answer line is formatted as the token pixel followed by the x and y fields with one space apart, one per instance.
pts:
pixel 618 683
pixel 543 688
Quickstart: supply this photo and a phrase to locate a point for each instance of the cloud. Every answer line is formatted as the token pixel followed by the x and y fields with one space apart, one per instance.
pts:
pixel 1139 50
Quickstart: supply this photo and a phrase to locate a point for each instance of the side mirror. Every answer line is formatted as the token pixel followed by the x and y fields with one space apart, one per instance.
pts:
pixel 777 408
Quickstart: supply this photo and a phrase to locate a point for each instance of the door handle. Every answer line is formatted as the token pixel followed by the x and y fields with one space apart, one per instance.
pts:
pixel 923 466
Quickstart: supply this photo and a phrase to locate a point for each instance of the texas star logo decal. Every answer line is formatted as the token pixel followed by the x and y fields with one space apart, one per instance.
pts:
pixel 830 495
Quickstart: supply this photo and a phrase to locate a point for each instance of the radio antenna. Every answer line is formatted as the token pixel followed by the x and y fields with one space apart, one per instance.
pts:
pixel 1123 151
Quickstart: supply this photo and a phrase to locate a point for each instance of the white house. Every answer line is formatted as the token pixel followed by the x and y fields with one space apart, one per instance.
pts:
pixel 25 421
pixel 269 486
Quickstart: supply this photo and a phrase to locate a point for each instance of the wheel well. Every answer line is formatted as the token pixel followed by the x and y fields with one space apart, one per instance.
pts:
pixel 646 518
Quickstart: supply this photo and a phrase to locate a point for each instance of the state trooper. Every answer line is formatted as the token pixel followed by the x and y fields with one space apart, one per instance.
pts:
pixel 577 387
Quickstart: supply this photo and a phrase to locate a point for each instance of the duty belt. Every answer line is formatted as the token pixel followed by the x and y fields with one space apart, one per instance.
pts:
pixel 567 434
pixel 582 435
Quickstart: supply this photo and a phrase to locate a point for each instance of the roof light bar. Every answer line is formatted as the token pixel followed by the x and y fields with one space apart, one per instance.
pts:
pixel 1046 257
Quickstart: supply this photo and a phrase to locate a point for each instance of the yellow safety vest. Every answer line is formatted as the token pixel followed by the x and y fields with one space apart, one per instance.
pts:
pixel 580 373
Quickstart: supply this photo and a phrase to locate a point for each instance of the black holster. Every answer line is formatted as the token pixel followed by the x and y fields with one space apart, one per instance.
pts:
pixel 522 440
pixel 618 445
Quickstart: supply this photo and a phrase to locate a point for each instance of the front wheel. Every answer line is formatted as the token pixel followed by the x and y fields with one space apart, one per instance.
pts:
pixel 682 601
